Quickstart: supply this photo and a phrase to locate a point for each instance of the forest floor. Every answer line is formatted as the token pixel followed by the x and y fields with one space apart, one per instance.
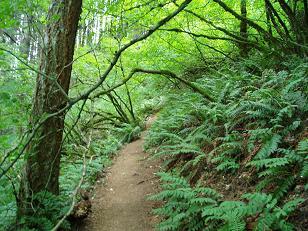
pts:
pixel 120 203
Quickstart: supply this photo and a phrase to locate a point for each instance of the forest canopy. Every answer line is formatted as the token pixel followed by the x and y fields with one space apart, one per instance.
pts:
pixel 227 79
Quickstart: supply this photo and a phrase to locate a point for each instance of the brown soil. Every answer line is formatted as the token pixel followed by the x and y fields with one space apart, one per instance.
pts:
pixel 121 204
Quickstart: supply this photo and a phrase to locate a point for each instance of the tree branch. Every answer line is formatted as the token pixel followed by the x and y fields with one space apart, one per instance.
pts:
pixel 193 86
pixel 126 46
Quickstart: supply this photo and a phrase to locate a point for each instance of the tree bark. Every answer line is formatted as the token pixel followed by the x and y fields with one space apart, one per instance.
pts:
pixel 244 30
pixel 26 37
pixel 268 18
pixel 44 152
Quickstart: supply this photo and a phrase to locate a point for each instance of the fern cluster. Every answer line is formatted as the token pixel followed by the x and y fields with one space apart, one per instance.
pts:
pixel 202 208
pixel 257 123
pixel 50 210
pixel 184 206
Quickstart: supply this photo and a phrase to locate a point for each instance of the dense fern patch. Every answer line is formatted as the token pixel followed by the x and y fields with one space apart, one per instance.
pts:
pixel 250 145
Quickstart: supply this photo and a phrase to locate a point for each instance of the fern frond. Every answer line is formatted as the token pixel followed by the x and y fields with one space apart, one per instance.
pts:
pixel 269 147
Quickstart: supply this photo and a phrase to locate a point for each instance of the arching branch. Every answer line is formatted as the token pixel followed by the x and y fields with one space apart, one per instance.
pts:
pixel 168 73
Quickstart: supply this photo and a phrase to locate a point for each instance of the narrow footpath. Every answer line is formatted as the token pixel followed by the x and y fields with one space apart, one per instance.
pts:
pixel 120 204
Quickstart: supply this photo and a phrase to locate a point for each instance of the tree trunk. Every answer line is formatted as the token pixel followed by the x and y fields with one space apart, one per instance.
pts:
pixel 268 18
pixel 44 152
pixel 244 30
pixel 26 34
pixel 305 22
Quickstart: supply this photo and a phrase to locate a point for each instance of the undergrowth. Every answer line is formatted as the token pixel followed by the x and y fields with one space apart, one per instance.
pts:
pixel 248 147
pixel 103 146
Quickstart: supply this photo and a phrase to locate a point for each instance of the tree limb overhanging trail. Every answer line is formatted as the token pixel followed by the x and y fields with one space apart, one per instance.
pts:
pixel 86 94
pixel 126 46
pixel 193 86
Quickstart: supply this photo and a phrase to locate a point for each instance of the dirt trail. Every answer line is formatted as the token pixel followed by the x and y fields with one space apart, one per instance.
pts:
pixel 120 204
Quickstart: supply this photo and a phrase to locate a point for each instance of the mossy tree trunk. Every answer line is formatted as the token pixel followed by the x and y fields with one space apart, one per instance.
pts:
pixel 44 152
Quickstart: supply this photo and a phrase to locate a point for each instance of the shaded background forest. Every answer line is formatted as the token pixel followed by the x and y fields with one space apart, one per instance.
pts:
pixel 228 78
